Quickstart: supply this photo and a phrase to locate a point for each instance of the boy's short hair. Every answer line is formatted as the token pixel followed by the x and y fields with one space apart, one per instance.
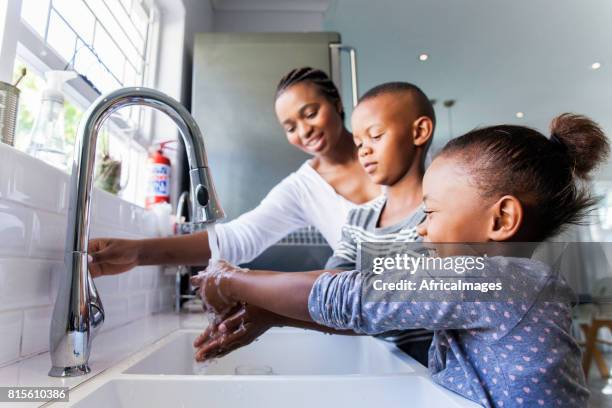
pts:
pixel 421 101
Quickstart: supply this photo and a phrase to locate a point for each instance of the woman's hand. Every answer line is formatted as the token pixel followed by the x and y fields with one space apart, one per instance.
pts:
pixel 213 287
pixel 241 328
pixel 111 256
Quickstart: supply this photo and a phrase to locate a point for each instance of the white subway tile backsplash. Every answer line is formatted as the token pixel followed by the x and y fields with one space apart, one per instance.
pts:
pixel 149 276
pixel 48 235
pixel 35 183
pixel 36 323
pixel 107 209
pixel 135 279
pixel 58 271
pixel 100 230
pixel 166 298
pixel 10 335
pixel 15 229
pixel 107 285
pixel 137 304
pixel 129 218
pixel 5 166
pixel 33 211
pixel 24 283
pixel 116 311
pixel 64 195
pixel 124 281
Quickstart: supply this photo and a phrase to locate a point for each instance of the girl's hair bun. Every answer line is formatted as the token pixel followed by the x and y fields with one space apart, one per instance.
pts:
pixel 583 140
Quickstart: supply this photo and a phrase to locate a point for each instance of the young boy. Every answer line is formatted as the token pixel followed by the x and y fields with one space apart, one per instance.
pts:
pixel 393 126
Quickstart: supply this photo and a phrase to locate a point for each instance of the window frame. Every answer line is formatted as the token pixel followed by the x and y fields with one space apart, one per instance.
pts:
pixel 19 40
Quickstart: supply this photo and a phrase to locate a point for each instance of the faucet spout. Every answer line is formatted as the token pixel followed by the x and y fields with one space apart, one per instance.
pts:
pixel 78 313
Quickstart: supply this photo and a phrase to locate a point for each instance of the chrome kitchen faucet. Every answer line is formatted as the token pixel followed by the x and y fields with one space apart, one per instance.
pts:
pixel 78 313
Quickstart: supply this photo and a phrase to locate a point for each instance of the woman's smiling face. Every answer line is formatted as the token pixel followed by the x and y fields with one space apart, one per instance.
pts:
pixel 311 122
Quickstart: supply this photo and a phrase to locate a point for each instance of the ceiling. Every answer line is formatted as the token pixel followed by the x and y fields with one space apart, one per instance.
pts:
pixel 495 57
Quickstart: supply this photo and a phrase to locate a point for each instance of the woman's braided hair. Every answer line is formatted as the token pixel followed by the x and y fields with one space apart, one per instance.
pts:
pixel 316 77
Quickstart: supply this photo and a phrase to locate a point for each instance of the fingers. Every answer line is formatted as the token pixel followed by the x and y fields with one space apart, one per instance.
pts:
pixel 204 336
pixel 233 322
pixel 104 255
pixel 196 281
pixel 220 346
pixel 209 349
pixel 95 244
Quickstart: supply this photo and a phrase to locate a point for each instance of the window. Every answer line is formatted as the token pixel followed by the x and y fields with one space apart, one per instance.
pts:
pixel 110 44
pixel 29 102
pixel 106 41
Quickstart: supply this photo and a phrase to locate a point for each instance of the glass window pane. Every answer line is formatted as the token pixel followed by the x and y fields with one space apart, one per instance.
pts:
pixel 29 102
pixel 35 13
pixel 109 53
pixel 140 18
pixel 102 79
pixel 72 118
pixel 78 16
pixel 125 21
pixel 84 60
pixel 133 56
pixel 127 4
pixel 130 78
pixel 61 37
pixel 110 27
pixel 32 87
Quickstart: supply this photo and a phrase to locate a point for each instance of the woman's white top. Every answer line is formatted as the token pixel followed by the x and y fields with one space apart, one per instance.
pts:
pixel 303 198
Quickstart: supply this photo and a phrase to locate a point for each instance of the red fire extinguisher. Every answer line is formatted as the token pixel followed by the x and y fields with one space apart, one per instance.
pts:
pixel 158 184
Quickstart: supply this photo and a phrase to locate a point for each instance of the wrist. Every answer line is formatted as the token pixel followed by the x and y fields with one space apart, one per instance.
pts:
pixel 137 250
pixel 277 320
pixel 226 287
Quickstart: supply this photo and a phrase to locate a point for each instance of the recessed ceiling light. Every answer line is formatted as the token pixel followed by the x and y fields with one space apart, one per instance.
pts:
pixel 423 57
pixel 595 65
pixel 520 115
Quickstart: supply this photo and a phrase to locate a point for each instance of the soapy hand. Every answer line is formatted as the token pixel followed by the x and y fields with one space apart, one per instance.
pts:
pixel 242 327
pixel 213 290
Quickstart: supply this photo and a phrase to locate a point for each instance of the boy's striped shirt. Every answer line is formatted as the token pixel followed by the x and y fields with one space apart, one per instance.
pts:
pixel 361 227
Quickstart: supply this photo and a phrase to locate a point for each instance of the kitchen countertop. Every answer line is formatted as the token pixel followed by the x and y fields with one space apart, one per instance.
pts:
pixel 108 349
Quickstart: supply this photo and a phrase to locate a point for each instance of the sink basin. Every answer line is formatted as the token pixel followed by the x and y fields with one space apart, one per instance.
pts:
pixel 270 391
pixel 302 369
pixel 281 352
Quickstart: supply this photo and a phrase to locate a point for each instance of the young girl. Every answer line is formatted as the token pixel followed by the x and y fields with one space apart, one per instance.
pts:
pixel 496 184
pixel 320 193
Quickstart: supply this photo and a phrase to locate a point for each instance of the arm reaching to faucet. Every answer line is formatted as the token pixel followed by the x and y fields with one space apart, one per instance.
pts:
pixel 111 256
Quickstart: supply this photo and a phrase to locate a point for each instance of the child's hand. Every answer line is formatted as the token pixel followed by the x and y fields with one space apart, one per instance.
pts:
pixel 212 284
pixel 109 256
pixel 238 330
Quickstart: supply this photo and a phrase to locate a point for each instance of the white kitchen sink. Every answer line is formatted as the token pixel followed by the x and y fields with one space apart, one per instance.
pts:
pixel 271 392
pixel 279 352
pixel 302 369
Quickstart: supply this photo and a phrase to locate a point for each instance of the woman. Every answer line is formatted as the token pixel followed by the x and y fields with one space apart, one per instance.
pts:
pixel 320 193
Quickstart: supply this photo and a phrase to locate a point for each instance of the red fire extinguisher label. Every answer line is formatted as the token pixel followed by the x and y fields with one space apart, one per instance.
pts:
pixel 159 181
